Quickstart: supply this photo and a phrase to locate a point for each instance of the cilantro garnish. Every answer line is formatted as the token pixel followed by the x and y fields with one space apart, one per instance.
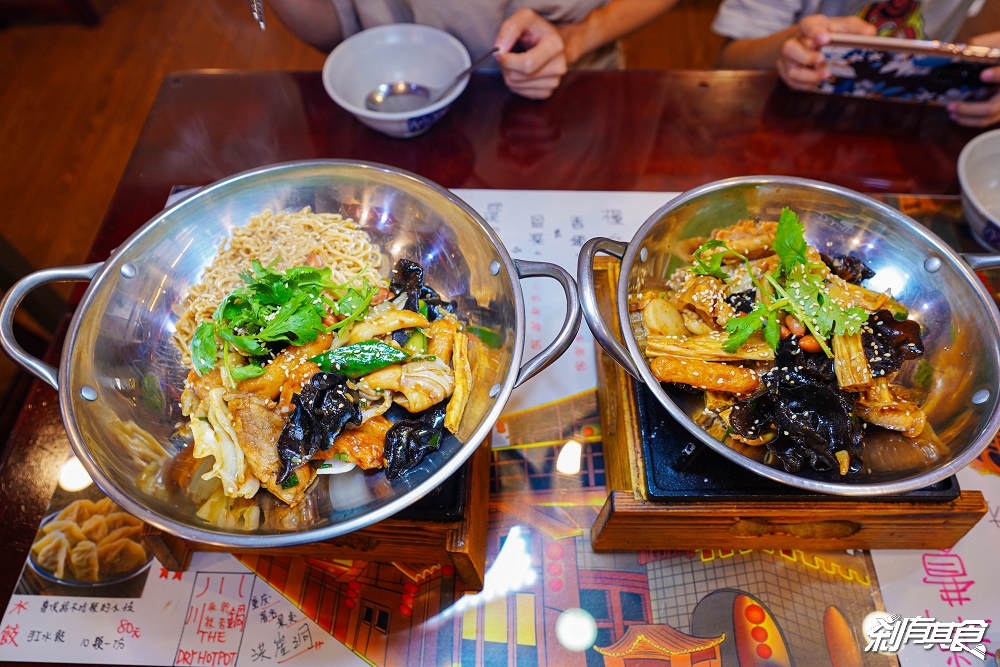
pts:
pixel 741 328
pixel 772 329
pixel 806 291
pixel 203 349
pixel 713 265
pixel 790 241
pixel 274 309
pixel 798 290
pixel 354 305
pixel 241 373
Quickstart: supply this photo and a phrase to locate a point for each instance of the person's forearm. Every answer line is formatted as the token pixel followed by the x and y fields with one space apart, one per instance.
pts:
pixel 313 21
pixel 608 23
pixel 754 53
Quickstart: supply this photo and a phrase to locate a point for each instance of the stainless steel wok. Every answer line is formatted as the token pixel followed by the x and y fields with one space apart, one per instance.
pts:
pixel 960 324
pixel 120 375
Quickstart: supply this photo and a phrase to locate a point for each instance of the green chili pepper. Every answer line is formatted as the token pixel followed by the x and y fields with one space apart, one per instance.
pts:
pixel 291 481
pixel 359 359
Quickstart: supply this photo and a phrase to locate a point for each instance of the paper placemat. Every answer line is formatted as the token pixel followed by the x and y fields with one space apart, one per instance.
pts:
pixel 549 600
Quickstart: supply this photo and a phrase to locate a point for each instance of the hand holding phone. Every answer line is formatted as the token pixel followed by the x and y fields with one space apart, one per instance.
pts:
pixel 987 112
pixel 801 63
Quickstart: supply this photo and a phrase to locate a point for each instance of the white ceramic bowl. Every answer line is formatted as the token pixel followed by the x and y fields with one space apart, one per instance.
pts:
pixel 979 175
pixel 401 51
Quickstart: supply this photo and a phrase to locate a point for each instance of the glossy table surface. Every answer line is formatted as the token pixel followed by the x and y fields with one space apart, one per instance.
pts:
pixel 660 131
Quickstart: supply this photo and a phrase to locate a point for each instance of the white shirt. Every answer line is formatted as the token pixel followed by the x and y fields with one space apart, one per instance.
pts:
pixel 474 22
pixel 916 19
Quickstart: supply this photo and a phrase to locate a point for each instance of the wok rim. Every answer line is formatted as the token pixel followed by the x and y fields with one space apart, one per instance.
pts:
pixel 68 388
pixel 936 245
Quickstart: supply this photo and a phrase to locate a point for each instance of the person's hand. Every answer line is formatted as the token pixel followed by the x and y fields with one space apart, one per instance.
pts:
pixel 801 65
pixel 536 72
pixel 980 114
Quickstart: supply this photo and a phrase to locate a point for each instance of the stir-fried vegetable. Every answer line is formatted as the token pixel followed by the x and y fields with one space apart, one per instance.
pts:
pixel 409 440
pixel 757 292
pixel 359 359
pixel 308 369
pixel 417 343
pixel 322 410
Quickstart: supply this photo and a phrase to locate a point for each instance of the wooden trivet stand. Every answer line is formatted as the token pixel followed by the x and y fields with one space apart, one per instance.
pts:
pixel 630 522
pixel 460 543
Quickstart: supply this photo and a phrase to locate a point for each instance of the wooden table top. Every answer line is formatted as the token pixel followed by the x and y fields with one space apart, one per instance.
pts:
pixel 660 131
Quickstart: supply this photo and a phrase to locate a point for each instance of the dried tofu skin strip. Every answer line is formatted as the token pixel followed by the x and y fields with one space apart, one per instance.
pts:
pixel 750 238
pixel 364 446
pixel 879 406
pixel 705 374
pixel 269 384
pixel 708 348
pixel 463 384
pixel 441 333
pixel 850 363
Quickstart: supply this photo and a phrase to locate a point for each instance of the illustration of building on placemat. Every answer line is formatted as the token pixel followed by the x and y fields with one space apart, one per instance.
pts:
pixel 710 608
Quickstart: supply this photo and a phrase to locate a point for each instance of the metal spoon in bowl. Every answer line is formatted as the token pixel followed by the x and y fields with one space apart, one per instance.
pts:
pixel 404 96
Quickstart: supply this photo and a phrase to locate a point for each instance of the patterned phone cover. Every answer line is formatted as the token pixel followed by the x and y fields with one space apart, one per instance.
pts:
pixel 929 78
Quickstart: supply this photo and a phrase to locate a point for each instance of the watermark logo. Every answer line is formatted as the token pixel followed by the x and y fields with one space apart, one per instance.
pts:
pixel 888 633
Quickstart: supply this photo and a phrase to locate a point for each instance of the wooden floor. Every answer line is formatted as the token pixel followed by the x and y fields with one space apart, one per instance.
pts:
pixel 74 98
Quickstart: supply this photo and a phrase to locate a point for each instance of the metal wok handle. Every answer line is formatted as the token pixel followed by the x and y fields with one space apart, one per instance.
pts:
pixel 588 297
pixel 10 302
pixel 571 325
pixel 983 261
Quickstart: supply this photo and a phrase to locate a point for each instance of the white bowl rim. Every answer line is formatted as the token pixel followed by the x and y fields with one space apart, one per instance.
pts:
pixel 398 115
pixel 963 160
